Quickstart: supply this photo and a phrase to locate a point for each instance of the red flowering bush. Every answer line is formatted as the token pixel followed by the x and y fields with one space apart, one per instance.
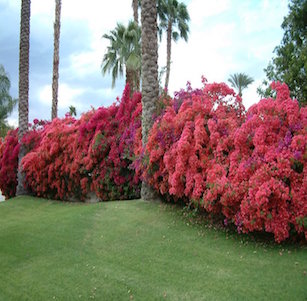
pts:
pixel 90 155
pixel 110 133
pixel 188 147
pixel 46 166
pixel 268 167
pixel 9 150
pixel 249 169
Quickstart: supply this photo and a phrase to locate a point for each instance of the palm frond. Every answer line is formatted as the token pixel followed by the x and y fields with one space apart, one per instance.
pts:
pixel 240 81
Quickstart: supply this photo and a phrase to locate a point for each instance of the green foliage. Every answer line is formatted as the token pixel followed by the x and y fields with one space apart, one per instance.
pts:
pixel 123 53
pixel 290 63
pixel 4 129
pixel 136 250
pixel 7 103
pixel 176 13
pixel 240 81
pixel 72 111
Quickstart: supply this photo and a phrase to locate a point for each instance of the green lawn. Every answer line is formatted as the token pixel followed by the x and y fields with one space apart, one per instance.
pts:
pixel 136 250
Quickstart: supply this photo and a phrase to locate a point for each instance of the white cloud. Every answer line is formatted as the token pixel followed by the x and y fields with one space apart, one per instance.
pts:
pixel 85 63
pixel 200 10
pixel 108 93
pixel 39 7
pixel 13 120
pixel 67 95
pixel 100 15
pixel 250 95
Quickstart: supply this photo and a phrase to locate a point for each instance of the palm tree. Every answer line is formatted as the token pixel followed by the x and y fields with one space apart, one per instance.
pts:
pixel 72 111
pixel 240 81
pixel 135 7
pixel 124 52
pixel 23 107
pixel 7 103
pixel 150 84
pixel 56 59
pixel 174 18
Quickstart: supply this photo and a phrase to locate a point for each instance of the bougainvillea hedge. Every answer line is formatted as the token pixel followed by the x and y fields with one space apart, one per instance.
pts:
pixel 248 168
pixel 90 155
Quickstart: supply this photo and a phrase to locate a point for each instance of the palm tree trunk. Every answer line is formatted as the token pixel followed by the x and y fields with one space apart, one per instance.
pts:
pixel 130 80
pixel 137 80
pixel 135 6
pixel 168 53
pixel 56 59
pixel 23 106
pixel 150 85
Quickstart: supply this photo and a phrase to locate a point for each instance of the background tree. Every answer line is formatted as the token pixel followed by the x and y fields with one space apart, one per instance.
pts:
pixel 174 18
pixel 56 59
pixel 7 103
pixel 290 63
pixel 240 81
pixel 23 108
pixel 124 52
pixel 72 111
pixel 135 7
pixel 150 85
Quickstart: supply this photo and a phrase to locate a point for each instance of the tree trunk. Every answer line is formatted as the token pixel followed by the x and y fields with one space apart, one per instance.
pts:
pixel 56 59
pixel 130 80
pixel 137 80
pixel 23 105
pixel 135 6
pixel 150 85
pixel 168 53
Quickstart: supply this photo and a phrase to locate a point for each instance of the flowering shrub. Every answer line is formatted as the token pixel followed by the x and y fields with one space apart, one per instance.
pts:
pixel 111 135
pixel 268 167
pixel 248 168
pixel 9 150
pixel 191 139
pixel 92 154
pixel 43 166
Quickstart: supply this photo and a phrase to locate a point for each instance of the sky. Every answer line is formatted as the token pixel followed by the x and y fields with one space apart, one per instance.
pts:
pixel 226 37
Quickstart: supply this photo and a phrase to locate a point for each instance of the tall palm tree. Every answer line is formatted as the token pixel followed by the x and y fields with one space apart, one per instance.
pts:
pixel 56 59
pixel 124 52
pixel 7 103
pixel 240 81
pixel 23 107
pixel 174 18
pixel 150 84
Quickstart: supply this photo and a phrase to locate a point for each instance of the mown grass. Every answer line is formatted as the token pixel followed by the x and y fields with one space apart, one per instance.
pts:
pixel 136 250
